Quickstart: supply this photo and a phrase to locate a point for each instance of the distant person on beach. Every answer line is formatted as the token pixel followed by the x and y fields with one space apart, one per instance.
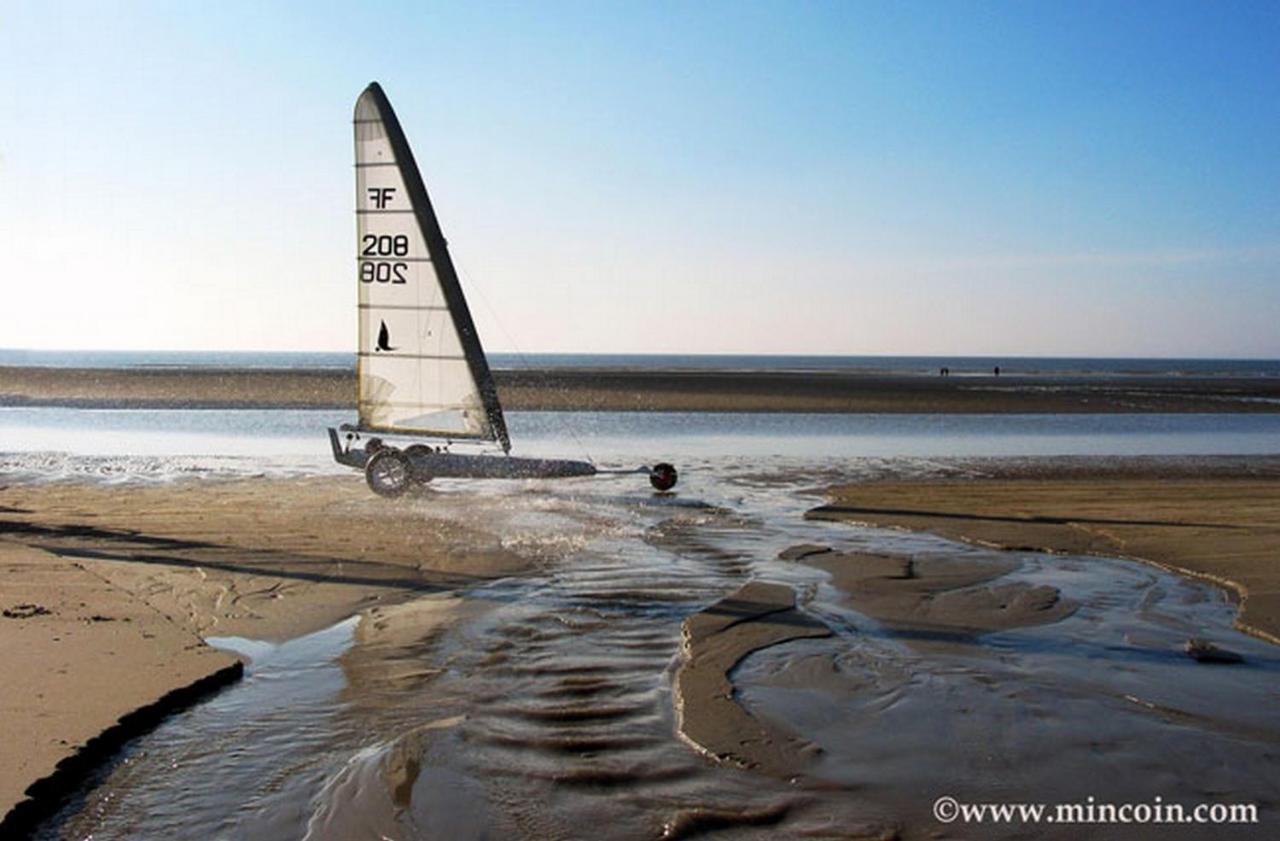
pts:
pixel 997 370
pixel 944 372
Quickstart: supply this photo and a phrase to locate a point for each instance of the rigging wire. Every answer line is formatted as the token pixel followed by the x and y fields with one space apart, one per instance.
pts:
pixel 524 358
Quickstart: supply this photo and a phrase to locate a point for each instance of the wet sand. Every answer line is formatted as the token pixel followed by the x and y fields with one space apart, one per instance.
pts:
pixel 547 687
pixel 936 604
pixel 1216 520
pixel 80 656
pixel 676 390
pixel 935 601
pixel 716 639
pixel 108 591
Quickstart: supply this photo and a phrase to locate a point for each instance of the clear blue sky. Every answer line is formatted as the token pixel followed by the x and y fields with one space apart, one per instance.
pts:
pixel 933 178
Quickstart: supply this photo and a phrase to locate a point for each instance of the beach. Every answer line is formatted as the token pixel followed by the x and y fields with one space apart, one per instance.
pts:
pixel 653 390
pixel 104 581
pixel 1210 521
pixel 109 591
pixel 813 421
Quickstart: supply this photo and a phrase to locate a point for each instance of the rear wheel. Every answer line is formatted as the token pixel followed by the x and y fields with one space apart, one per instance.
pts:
pixel 387 472
pixel 416 454
pixel 663 476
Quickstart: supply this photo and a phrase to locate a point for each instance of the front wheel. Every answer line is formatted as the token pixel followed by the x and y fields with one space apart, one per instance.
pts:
pixel 663 476
pixel 387 472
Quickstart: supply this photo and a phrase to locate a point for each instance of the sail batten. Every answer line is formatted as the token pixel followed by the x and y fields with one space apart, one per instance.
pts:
pixel 420 366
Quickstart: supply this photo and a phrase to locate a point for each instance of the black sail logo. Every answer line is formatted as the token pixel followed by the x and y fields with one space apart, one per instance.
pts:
pixel 384 339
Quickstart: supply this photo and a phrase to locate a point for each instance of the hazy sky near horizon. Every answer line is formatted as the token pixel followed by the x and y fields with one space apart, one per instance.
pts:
pixel 1043 178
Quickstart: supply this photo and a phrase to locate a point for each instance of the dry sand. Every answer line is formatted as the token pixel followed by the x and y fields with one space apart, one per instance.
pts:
pixel 1224 528
pixel 108 590
pixel 672 390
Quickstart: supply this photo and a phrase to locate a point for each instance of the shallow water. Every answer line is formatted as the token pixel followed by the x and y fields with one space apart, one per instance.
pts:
pixel 545 709
pixel 114 445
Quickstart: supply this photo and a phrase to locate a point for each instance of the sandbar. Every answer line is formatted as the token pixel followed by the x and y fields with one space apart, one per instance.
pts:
pixel 716 639
pixel 622 390
pixel 937 601
pixel 1217 520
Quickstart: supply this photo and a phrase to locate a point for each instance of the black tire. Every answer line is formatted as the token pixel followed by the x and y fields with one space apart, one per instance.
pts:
pixel 663 476
pixel 414 452
pixel 388 472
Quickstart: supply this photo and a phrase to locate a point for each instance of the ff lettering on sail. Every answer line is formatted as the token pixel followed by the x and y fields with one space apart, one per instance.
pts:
pixel 420 367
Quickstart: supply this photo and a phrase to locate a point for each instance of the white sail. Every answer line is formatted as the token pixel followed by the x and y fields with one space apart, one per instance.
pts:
pixel 420 365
